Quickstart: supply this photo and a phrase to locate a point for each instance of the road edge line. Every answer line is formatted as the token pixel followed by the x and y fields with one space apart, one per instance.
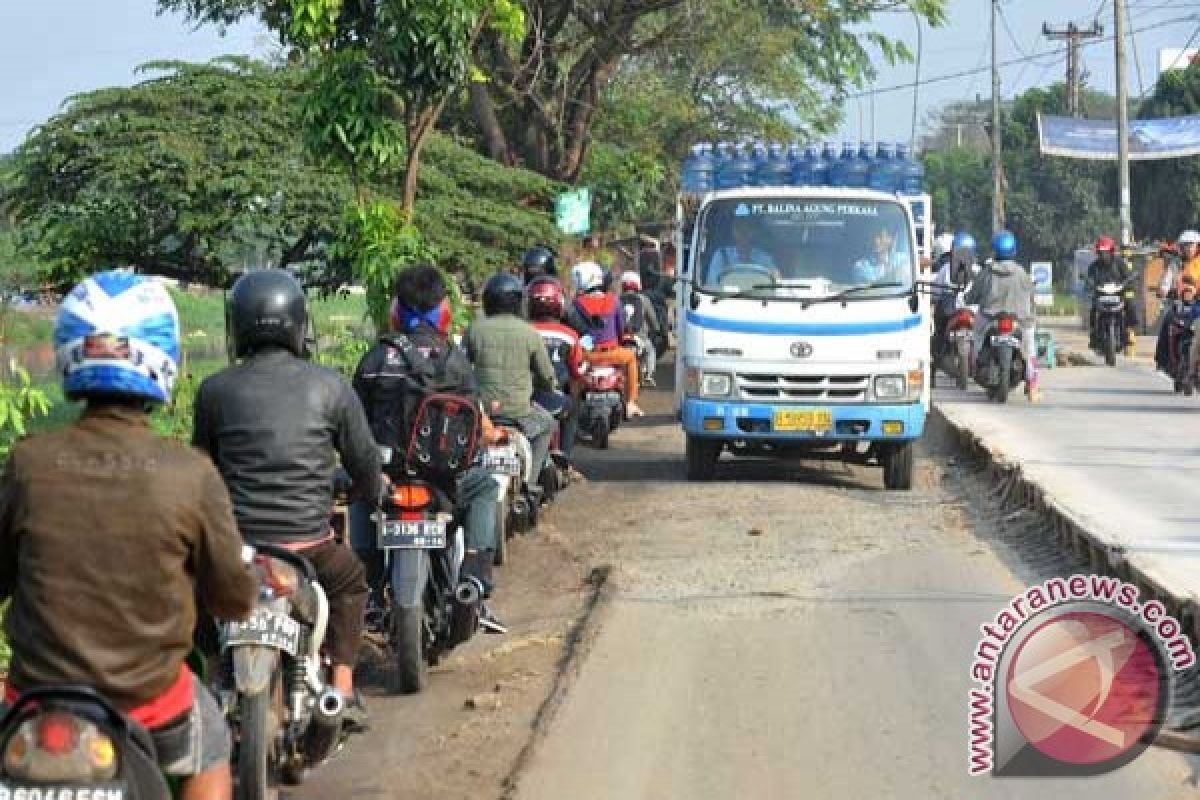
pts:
pixel 578 645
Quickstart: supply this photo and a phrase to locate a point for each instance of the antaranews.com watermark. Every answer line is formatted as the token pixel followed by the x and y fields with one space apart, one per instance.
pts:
pixel 1072 677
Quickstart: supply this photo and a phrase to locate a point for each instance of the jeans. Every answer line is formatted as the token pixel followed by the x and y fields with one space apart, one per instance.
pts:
pixel 475 499
pixel 649 353
pixel 538 426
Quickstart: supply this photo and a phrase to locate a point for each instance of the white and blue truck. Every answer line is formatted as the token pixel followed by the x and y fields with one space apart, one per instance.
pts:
pixel 801 326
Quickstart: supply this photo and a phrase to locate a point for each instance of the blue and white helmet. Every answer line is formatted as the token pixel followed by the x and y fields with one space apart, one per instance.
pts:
pixel 118 334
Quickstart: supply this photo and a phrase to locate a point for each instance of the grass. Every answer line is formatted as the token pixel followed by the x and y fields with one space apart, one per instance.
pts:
pixel 1065 305
pixel 19 328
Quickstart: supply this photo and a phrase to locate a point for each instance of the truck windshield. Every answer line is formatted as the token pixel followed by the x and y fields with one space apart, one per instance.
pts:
pixel 808 249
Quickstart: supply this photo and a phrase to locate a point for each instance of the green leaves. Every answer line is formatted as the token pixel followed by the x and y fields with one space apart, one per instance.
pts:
pixel 313 21
pixel 19 402
pixel 347 113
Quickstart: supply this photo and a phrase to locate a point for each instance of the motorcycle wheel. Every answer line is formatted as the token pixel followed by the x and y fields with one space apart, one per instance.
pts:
pixel 898 466
pixel 408 650
pixel 257 763
pixel 501 554
pixel 1110 345
pixel 1004 356
pixel 961 369
pixel 600 434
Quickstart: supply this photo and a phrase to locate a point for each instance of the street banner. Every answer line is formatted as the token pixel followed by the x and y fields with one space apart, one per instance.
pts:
pixel 1096 139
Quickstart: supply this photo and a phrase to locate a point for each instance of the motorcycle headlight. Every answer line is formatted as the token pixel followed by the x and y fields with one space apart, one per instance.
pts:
pixel 890 387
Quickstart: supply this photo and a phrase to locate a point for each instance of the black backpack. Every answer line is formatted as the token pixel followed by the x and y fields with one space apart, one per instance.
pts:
pixel 635 316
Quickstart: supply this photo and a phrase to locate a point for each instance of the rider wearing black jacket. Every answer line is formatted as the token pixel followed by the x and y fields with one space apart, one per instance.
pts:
pixel 275 425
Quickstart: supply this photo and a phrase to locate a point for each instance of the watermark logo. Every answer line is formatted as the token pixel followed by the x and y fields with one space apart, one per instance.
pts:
pixel 1072 677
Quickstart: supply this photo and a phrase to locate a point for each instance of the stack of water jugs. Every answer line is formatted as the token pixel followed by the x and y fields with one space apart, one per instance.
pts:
pixel 731 166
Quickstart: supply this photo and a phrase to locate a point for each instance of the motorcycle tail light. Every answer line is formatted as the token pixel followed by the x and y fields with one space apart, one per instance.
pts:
pixel 1005 325
pixel 411 496
pixel 278 576
pixel 963 319
pixel 57 734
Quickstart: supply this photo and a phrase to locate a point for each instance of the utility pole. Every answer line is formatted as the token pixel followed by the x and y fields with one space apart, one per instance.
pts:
pixel 1122 127
pixel 1074 35
pixel 997 167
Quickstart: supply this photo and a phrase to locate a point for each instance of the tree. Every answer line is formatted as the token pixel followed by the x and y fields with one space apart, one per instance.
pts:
pixel 1166 194
pixel 725 65
pixel 202 169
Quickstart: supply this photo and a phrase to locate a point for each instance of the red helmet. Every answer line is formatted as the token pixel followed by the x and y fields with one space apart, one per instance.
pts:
pixel 546 298
pixel 1105 244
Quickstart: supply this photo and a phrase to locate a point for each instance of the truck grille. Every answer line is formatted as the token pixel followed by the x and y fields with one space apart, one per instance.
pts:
pixel 828 388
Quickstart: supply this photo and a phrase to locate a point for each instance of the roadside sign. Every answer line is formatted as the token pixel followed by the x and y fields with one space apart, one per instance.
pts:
pixel 572 212
pixel 1042 273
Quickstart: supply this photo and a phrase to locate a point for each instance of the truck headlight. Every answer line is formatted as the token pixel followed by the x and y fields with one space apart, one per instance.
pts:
pixel 716 384
pixel 890 387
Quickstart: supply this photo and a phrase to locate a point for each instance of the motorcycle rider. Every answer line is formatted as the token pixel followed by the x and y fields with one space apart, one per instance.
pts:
pixel 1109 268
pixel 1005 287
pixel 387 380
pixel 109 533
pixel 641 319
pixel 547 306
pixel 538 262
pixel 951 250
pixel 511 363
pixel 273 424
pixel 606 321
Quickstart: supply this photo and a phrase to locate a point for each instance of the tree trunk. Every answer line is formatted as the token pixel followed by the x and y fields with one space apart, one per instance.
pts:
pixel 484 111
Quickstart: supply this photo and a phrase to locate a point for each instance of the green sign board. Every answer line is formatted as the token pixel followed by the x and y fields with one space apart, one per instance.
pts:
pixel 572 212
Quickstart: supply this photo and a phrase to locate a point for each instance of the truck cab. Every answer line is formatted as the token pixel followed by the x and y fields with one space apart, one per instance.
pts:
pixel 801 329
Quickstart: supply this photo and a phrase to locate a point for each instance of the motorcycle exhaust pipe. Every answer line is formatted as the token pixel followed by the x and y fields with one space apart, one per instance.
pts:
pixel 324 730
pixel 464 618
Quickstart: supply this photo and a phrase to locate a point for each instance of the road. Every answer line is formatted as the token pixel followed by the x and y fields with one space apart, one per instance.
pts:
pixel 787 631
pixel 795 633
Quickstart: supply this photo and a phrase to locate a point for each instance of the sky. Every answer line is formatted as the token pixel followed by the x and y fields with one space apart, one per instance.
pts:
pixel 964 44
pixel 50 49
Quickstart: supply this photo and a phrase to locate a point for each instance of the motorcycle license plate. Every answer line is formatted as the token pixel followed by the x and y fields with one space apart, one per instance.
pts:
pixel 814 421
pixel 265 628
pixel 422 534
pixel 76 791
pixel 603 398
pixel 1005 339
pixel 502 461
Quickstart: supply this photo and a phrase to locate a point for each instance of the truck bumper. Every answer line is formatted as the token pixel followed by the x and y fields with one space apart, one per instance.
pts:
pixel 851 423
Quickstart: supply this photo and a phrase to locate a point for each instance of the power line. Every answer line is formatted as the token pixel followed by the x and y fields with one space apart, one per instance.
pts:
pixel 1010 63
pixel 1011 37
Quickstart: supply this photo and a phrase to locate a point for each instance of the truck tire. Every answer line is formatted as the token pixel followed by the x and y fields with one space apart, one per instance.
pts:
pixel 701 455
pixel 898 466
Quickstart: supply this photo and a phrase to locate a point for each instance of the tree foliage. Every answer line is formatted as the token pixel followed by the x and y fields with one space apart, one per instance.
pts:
pixel 1166 194
pixel 204 168
pixel 711 66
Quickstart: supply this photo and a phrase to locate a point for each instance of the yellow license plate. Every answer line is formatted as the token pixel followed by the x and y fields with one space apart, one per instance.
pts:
pixel 804 421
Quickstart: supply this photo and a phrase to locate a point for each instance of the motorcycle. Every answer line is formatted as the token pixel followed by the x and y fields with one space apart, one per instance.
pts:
pixel 70 742
pixel 1110 335
pixel 1002 361
pixel 555 474
pixel 429 607
pixel 504 464
pixel 1179 346
pixel 274 681
pixel 638 347
pixel 603 406
pixel 955 356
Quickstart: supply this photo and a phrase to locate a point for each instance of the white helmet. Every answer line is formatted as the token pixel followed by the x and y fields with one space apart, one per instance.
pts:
pixel 631 281
pixel 1189 237
pixel 943 244
pixel 587 275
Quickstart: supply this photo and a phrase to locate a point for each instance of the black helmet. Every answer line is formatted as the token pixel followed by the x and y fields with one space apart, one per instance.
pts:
pixel 538 262
pixel 266 307
pixel 503 294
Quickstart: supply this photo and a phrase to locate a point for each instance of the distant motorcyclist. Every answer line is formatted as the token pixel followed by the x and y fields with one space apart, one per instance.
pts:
pixel 416 358
pixel 109 534
pixel 641 319
pixel 511 363
pixel 1005 287
pixel 547 308
pixel 1110 268
pixel 957 268
pixel 606 320
pixel 538 262
pixel 275 425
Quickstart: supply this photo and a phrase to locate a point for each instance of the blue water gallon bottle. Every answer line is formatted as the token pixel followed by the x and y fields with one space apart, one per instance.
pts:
pixel 883 170
pixel 823 167
pixel 910 172
pixel 803 169
pixel 839 168
pixel 699 170
pixel 737 171
pixel 858 169
pixel 776 170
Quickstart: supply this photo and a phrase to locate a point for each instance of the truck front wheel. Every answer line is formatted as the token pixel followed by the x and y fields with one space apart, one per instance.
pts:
pixel 702 455
pixel 897 465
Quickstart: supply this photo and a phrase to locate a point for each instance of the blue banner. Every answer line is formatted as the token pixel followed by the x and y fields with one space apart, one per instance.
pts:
pixel 1149 139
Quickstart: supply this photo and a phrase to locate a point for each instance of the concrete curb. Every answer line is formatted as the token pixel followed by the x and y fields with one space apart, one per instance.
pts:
pixel 1014 490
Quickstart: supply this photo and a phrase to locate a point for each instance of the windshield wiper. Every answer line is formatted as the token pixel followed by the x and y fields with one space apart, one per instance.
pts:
pixel 842 295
